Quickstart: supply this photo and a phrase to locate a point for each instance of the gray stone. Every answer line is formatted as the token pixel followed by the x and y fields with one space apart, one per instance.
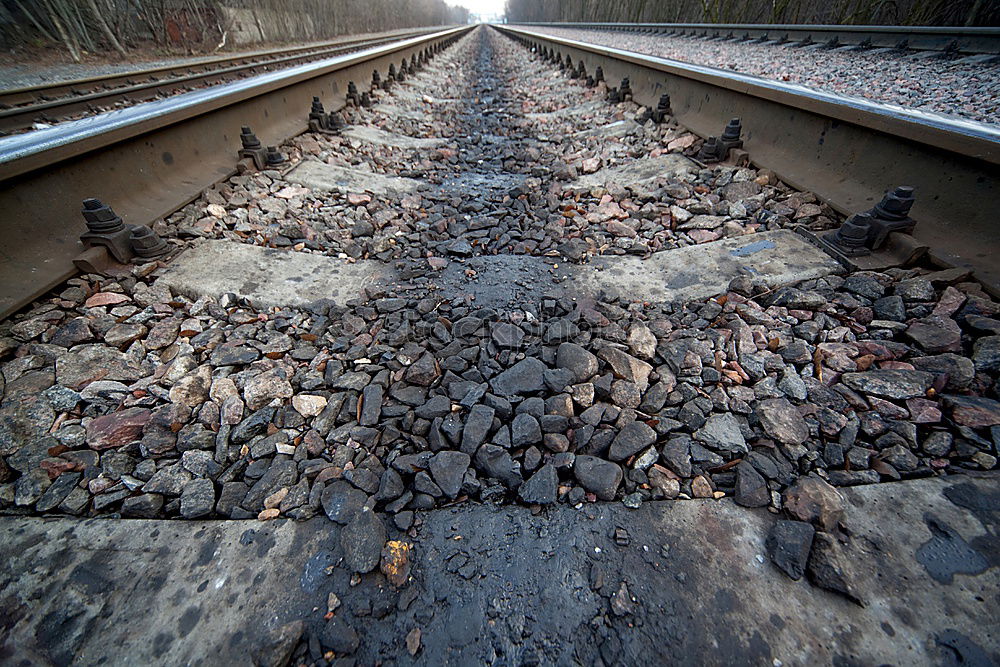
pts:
pixel 722 432
pixel 890 382
pixel 782 421
pixel 197 498
pixel 524 377
pixel 577 360
pixel 362 540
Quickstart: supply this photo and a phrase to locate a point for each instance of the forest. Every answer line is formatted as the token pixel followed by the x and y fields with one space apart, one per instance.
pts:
pixel 83 27
pixel 852 12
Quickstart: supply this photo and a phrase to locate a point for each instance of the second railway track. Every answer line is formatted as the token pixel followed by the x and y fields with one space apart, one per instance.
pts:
pixel 21 108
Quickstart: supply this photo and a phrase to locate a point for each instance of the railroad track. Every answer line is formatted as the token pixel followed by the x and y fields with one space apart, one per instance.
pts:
pixel 154 157
pixel 21 108
pixel 496 287
pixel 846 150
pixel 942 40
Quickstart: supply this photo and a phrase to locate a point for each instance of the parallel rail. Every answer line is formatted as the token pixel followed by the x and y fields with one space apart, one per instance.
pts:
pixel 21 107
pixel 848 151
pixel 919 38
pixel 150 159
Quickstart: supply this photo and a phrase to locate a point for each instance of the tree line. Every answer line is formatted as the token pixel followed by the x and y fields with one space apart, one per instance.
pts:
pixel 849 12
pixel 96 26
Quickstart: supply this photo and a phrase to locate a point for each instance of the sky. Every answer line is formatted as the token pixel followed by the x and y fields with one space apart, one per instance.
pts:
pixel 487 9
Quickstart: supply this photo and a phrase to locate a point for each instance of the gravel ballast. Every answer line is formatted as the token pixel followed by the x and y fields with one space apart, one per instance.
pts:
pixel 939 85
pixel 121 398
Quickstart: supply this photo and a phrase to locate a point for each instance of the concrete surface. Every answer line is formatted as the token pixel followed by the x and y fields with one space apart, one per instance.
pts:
pixel 504 586
pixel 637 173
pixel 269 276
pixel 273 277
pixel 321 176
pixel 372 135
pixel 586 107
pixel 778 257
pixel 619 128
pixel 390 109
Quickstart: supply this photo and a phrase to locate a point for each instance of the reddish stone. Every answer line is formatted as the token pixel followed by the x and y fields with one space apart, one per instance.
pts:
pixel 117 429
pixel 973 411
pixel 105 299
pixel 923 411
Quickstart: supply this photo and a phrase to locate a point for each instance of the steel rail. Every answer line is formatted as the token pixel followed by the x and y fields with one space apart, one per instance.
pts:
pixel 150 159
pixel 919 38
pixel 158 80
pixel 848 151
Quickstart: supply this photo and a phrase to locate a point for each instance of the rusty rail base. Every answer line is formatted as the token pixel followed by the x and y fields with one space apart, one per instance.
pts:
pixel 149 164
pixel 847 151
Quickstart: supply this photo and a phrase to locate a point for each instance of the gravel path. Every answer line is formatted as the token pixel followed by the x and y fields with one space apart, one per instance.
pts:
pixel 970 91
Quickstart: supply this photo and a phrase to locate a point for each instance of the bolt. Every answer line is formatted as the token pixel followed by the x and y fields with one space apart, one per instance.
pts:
pixel 392 71
pixel 895 205
pixel 733 130
pixel 317 108
pixel 376 79
pixel 599 74
pixel 146 243
pixel 274 157
pixel 101 218
pixel 366 100
pixel 249 139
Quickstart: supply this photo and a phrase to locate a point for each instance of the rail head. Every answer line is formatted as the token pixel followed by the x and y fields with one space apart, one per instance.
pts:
pixel 955 135
pixel 23 153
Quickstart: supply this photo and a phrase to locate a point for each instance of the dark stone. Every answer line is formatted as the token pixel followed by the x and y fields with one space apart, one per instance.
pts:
pixel 423 371
pixel 788 546
pixel 341 501
pixel 598 476
pixel 371 405
pixel 830 569
pixel 525 431
pixel 496 462
pixel 340 637
pixel 448 469
pixel 751 489
pixel 524 377
pixel 146 506
pixel 362 541
pixel 507 336
pixel 576 359
pixel 540 488
pixel 477 427
pixel 632 439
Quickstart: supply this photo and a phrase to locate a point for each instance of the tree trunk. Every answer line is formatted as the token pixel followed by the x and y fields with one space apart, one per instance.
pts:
pixel 70 46
pixel 103 25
